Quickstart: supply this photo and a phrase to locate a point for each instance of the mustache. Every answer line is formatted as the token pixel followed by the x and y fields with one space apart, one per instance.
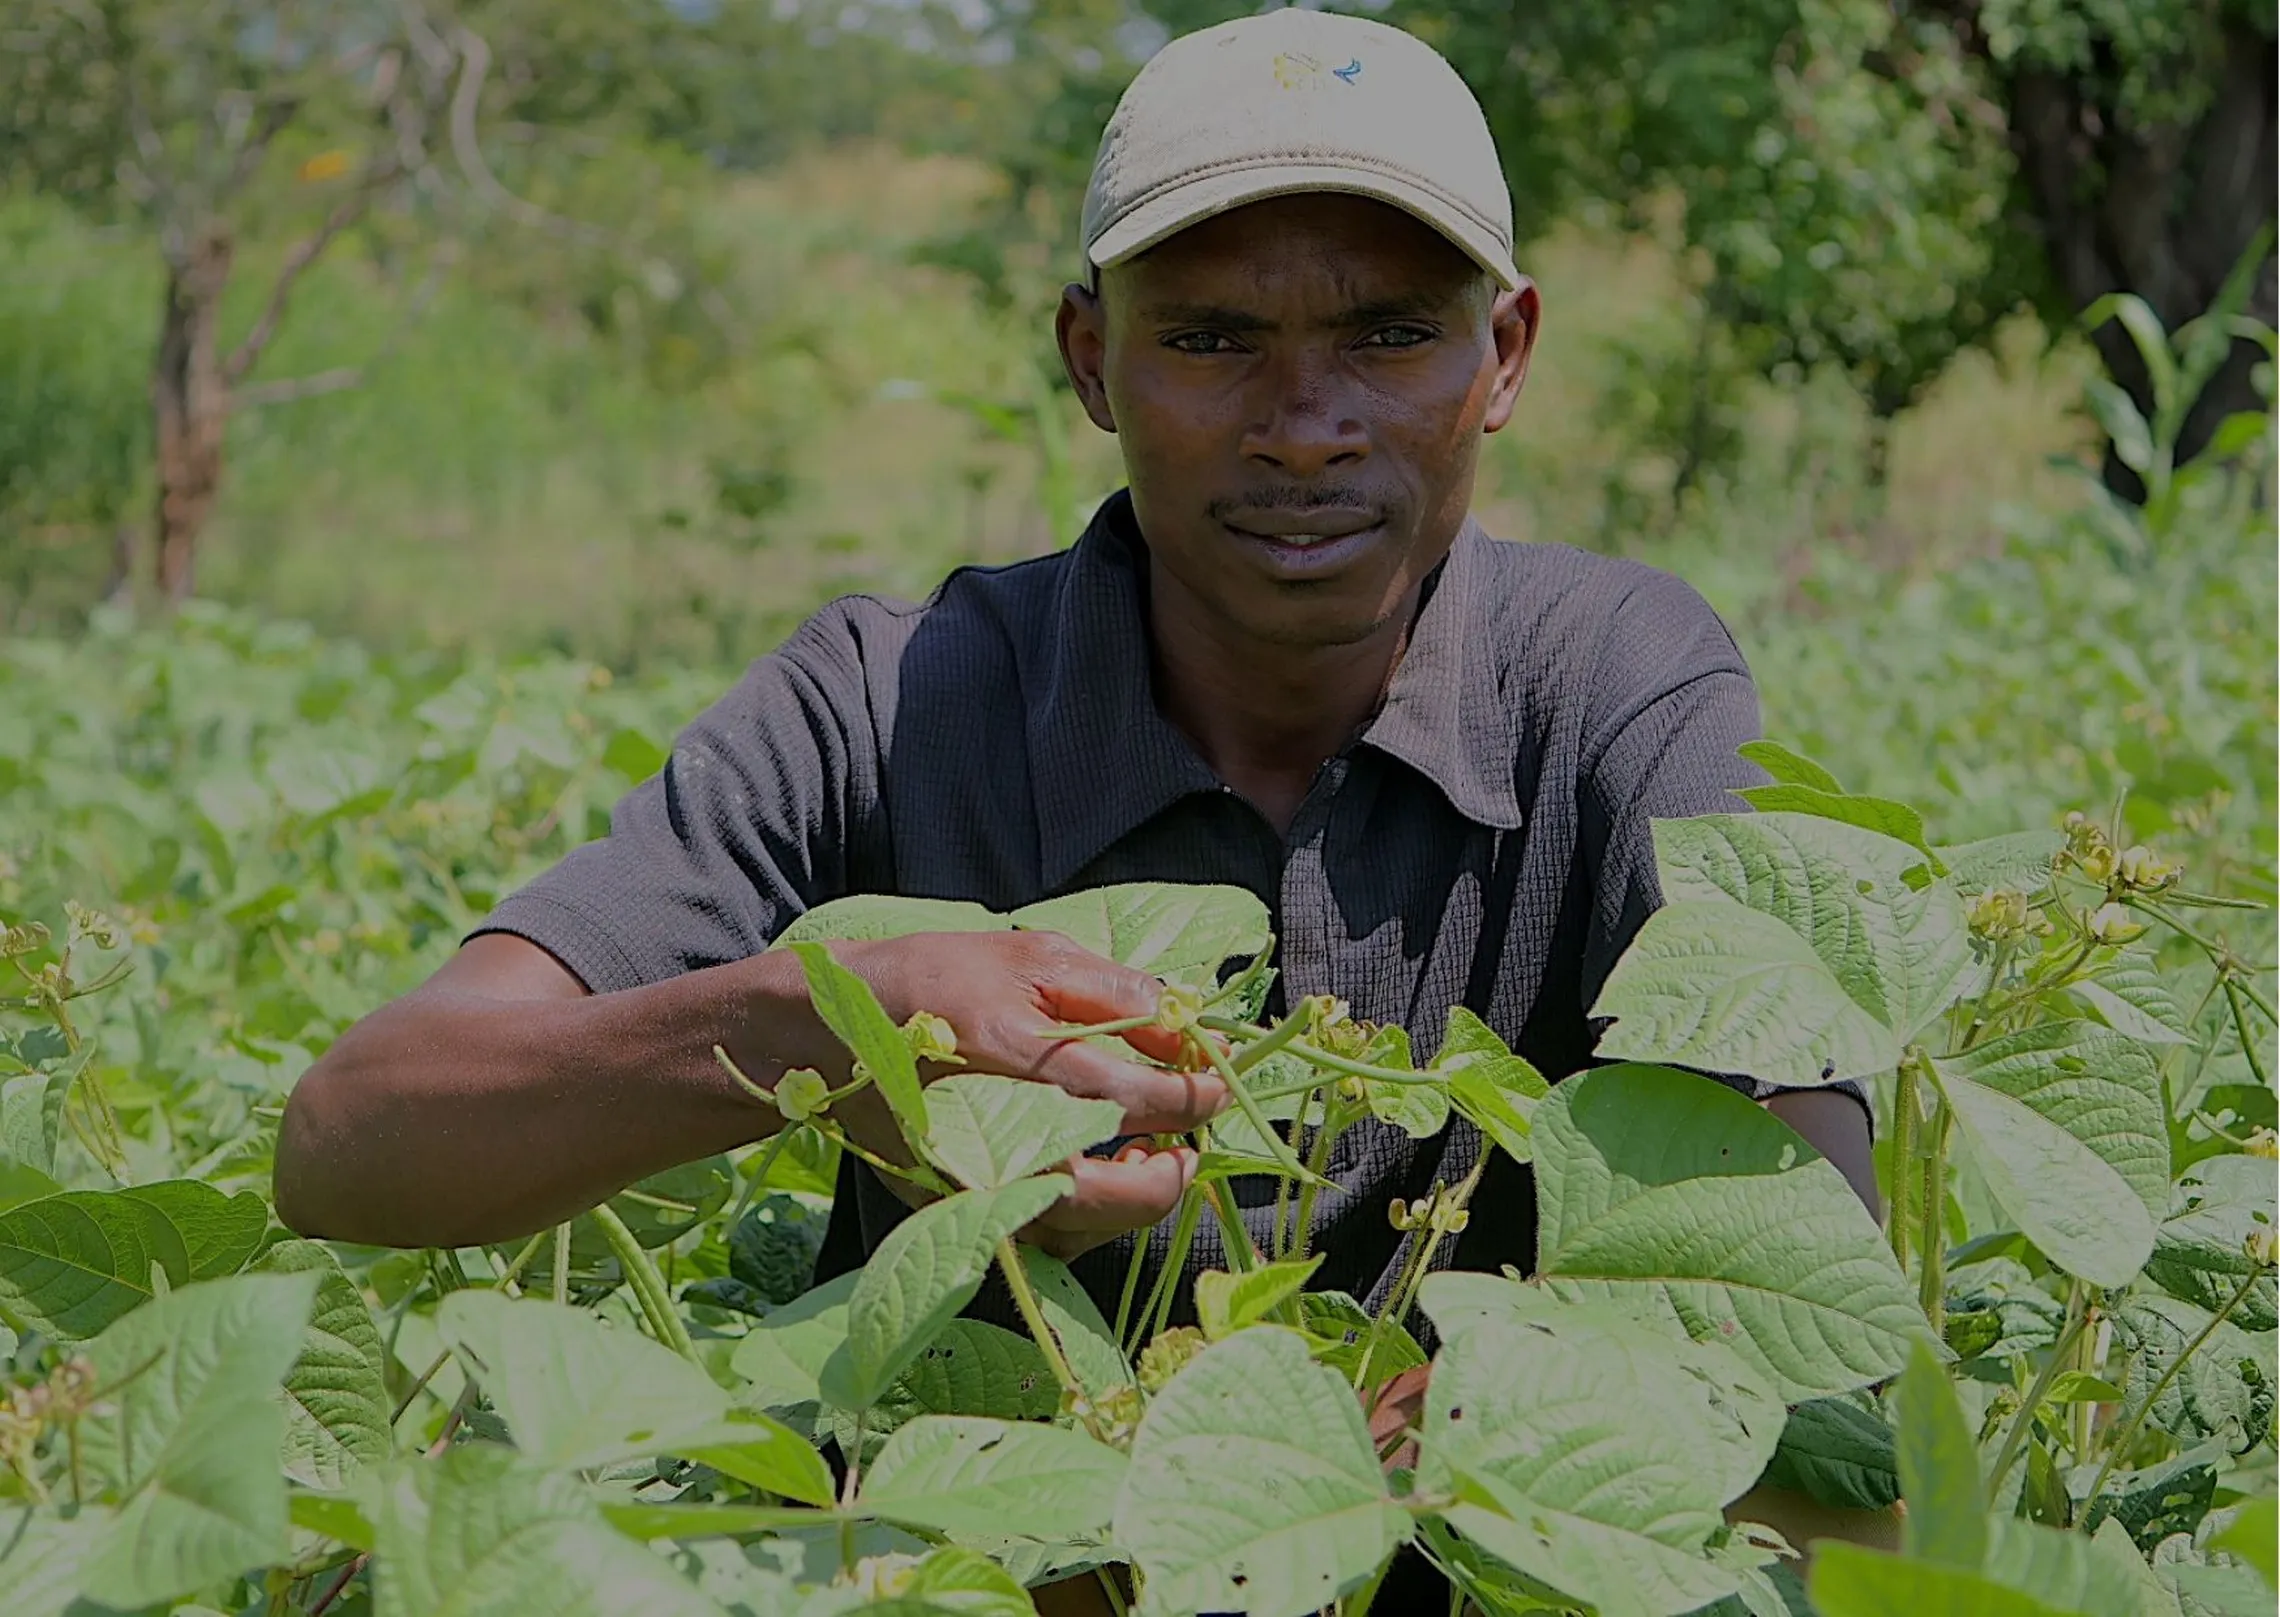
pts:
pixel 1295 497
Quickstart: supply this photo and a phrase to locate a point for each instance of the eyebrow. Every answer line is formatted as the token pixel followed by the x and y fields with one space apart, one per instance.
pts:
pixel 1408 306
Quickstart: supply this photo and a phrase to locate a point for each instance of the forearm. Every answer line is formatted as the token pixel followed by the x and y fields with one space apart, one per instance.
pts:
pixel 453 1117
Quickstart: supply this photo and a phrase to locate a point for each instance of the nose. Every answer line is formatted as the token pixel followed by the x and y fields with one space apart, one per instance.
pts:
pixel 1302 424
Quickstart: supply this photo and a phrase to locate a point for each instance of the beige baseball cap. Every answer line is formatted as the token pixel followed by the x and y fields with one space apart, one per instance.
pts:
pixel 1296 101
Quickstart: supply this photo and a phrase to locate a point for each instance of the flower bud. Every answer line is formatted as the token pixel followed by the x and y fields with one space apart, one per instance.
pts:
pixel 1397 1214
pixel 2111 924
pixel 2264 1143
pixel 2145 871
pixel 1168 1355
pixel 2259 1247
pixel 2097 863
pixel 930 1037
pixel 1177 1011
pixel 2001 915
pixel 802 1094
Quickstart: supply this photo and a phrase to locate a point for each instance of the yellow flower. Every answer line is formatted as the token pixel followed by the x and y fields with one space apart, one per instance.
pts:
pixel 802 1094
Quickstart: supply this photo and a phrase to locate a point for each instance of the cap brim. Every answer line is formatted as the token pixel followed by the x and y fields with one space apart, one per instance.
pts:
pixel 1173 211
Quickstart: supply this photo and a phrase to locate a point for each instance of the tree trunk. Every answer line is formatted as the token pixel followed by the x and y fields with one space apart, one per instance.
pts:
pixel 2165 212
pixel 190 405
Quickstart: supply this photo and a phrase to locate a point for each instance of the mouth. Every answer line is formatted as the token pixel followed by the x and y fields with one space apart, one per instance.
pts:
pixel 1307 541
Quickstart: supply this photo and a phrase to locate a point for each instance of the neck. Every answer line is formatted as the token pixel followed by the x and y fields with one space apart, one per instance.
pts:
pixel 1265 717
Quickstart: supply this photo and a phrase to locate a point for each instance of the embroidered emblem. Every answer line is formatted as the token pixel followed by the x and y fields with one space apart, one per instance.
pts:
pixel 1350 72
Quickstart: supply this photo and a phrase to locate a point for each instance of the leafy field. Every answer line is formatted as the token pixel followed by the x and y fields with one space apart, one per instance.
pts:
pixel 223 841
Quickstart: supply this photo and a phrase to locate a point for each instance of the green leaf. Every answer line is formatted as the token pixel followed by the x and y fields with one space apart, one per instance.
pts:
pixel 1338 1333
pixel 989 1131
pixel 2134 1001
pixel 20 1183
pixel 970 1368
pixel 44 1557
pixel 31 1111
pixel 852 1012
pixel 339 1517
pixel 2161 1500
pixel 1895 944
pixel 928 1267
pixel 2251 1536
pixel 1674 1197
pixel 2066 1124
pixel 576 1391
pixel 957 1581
pixel 952 1473
pixel 1789 768
pixel 1491 1086
pixel 481 1532
pixel 772 1456
pixel 782 1358
pixel 1253 1485
pixel 2074 1387
pixel 1418 1110
pixel 1838 1453
pixel 2019 860
pixel 186 1431
pixel 73 1263
pixel 656 1211
pixel 337 1410
pixel 2117 416
pixel 1088 1344
pixel 2201 1248
pixel 774 1248
pixel 1586 1450
pixel 863 916
pixel 1226 1303
pixel 1182 934
pixel 1878 814
pixel 634 755
pixel 1848 1581
pixel 1711 985
pixel 2224 1390
pixel 1939 1470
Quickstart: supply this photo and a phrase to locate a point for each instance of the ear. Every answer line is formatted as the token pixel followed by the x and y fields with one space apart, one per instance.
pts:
pixel 1080 327
pixel 1514 319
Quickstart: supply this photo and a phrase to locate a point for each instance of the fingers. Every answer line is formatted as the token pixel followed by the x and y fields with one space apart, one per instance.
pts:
pixel 1136 1190
pixel 1077 986
pixel 1156 1100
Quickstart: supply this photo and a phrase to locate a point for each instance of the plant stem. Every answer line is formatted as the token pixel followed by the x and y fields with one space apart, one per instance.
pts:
pixel 1033 1316
pixel 514 1271
pixel 1093 1030
pixel 1334 1123
pixel 1108 1588
pixel 1931 1288
pixel 426 1376
pixel 2077 1315
pixel 562 1262
pixel 1251 1113
pixel 1131 1290
pixel 1275 1038
pixel 1242 1256
pixel 1282 1186
pixel 2240 1025
pixel 2121 1445
pixel 1158 1307
pixel 648 1285
pixel 1904 1110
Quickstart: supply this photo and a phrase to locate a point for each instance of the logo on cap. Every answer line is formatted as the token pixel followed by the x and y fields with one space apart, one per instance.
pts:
pixel 1294 70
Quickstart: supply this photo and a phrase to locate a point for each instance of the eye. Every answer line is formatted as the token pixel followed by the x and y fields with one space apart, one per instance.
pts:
pixel 1406 334
pixel 1199 342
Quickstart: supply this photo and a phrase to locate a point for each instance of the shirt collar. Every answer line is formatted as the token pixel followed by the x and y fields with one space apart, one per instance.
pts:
pixel 1106 760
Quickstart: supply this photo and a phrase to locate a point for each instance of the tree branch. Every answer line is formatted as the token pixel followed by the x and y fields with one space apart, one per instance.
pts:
pixel 345 213
pixel 343 377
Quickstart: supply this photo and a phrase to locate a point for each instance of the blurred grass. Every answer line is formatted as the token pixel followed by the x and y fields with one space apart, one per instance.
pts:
pixel 511 478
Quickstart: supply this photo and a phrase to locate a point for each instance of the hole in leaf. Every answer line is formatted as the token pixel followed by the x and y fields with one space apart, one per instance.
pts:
pixel 1456 1413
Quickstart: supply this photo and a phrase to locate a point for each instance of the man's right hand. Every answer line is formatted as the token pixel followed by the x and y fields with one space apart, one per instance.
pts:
pixel 1004 994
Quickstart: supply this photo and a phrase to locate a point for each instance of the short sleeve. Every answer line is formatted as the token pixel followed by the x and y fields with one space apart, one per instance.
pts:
pixel 746 827
pixel 1678 703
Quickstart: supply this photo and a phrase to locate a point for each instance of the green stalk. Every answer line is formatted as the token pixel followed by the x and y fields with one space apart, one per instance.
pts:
pixel 1931 1290
pixel 561 1262
pixel 1282 1186
pixel 2077 1316
pixel 1403 1297
pixel 2121 1445
pixel 1242 1256
pixel 1266 1044
pixel 1033 1316
pixel 1318 1162
pixel 1904 1109
pixel 513 1271
pixel 648 1285
pixel 1131 1282
pixel 1158 1307
pixel 2240 1025
pixel 1250 1109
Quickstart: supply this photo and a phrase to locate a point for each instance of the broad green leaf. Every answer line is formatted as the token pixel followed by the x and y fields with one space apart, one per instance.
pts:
pixel 1939 1470
pixel 73 1263
pixel 339 1517
pixel 656 1211
pixel 774 1248
pixel 1338 1335
pixel 31 1112
pixel 2118 415
pixel 2064 1123
pixel 1253 1486
pixel 574 1390
pixel 2135 1002
pixel 1725 1408
pixel 2073 1387
pixel 1584 1449
pixel 20 1182
pixel 2252 1537
pixel 1490 1085
pixel 1848 1581
pixel 1182 934
pixel 336 1396
pixel 1088 1344
pixel 44 1557
pixel 1673 1196
pixel 783 1356
pixel 862 916
pixel 766 1454
pixel 928 1267
pixel 956 1582
pixel 1226 1303
pixel 1878 814
pixel 696 1521
pixel 989 1131
pixel 1899 951
pixel 954 1473
pixel 2019 860
pixel 482 1532
pixel 1838 1453
pixel 634 755
pixel 2200 1251
pixel 2161 1500
pixel 1712 985
pixel 852 1012
pixel 2224 1390
pixel 1789 767
pixel 970 1368
pixel 187 1431
pixel 2214 1591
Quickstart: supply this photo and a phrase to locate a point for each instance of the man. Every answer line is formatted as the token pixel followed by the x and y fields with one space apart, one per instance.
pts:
pixel 1285 658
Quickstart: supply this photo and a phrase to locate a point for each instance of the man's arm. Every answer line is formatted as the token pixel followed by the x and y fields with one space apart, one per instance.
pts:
pixel 500 1097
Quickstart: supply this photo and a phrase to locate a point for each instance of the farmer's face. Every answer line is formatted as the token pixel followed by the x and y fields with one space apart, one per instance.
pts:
pixel 1300 387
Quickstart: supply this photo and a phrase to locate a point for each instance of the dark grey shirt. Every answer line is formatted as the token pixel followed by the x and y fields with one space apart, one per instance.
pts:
pixel 1484 841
